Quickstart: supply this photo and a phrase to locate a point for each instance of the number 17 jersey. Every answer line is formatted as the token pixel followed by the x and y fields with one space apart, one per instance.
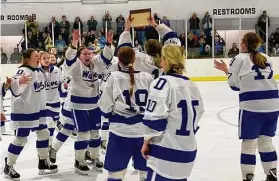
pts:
pixel 258 90
pixel 174 108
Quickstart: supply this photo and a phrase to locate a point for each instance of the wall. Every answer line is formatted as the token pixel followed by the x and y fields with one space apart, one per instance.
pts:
pixel 197 69
pixel 174 9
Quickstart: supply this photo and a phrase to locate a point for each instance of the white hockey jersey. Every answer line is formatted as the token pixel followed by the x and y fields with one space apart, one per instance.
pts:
pixel 43 97
pixel 54 83
pixel 258 90
pixel 125 114
pixel 25 101
pixel 173 110
pixel 85 84
pixel 2 95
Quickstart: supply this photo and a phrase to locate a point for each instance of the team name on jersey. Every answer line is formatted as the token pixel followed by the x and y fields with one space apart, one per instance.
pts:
pixel 88 76
pixel 52 84
pixel 38 86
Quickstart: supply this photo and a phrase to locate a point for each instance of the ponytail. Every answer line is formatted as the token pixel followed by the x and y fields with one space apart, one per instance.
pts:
pixel 132 79
pixel 258 59
pixel 252 42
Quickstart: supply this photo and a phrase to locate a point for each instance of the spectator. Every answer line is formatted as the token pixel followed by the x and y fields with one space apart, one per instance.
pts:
pixel 91 46
pixel 207 24
pixel 65 29
pixel 140 32
pixel 96 46
pixel 195 24
pixel 262 25
pixel 271 40
pixel 138 46
pixel 120 21
pixel 110 36
pixel 4 57
pixel 233 51
pixel 219 45
pixel 102 32
pixel 157 19
pixel 60 45
pixel 192 40
pixel 92 24
pixel 166 21
pixel 31 25
pixel 107 18
pixel 56 27
pixel 90 38
pixel 275 50
pixel 76 25
pixel 202 42
pixel 182 39
pixel 15 56
pixel 102 41
pixel 276 36
pixel 32 40
pixel 48 42
pixel 41 46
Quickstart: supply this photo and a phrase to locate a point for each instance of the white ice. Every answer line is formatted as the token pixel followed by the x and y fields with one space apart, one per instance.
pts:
pixel 218 156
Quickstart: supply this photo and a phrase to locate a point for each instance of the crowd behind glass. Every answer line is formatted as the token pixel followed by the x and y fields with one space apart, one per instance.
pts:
pixel 201 36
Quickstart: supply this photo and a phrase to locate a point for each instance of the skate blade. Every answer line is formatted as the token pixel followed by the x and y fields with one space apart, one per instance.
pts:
pixel 9 178
pixel 97 169
pixel 47 172
pixel 81 172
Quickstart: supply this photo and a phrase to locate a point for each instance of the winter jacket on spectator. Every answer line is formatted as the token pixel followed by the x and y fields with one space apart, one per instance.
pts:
pixel 120 24
pixel 92 24
pixel 107 18
pixel 76 25
pixel 207 21
pixel 56 28
pixel 194 22
pixel 4 57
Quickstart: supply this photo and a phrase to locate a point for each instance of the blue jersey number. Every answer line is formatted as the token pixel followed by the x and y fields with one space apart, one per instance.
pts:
pixel 140 93
pixel 259 75
pixel 183 128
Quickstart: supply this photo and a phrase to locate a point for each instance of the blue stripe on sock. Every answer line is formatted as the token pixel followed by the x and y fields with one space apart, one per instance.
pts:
pixel 69 127
pixel 247 159
pixel 62 137
pixel 14 149
pixel 42 144
pixel 51 131
pixel 114 179
pixel 268 156
pixel 81 145
pixel 94 143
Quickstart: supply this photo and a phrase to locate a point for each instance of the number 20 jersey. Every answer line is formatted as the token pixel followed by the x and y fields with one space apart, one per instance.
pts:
pixel 258 90
pixel 174 108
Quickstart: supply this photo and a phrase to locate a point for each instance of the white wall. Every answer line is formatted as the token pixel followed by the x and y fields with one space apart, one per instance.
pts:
pixel 194 67
pixel 174 9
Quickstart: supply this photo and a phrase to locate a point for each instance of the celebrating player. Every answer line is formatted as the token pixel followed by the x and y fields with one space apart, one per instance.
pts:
pixel 251 74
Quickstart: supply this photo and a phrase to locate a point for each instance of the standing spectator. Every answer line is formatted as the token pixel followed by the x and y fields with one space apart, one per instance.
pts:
pixel 120 21
pixel 15 56
pixel 32 25
pixel 262 25
pixel 65 29
pixel 102 32
pixel 195 24
pixel 233 51
pixel 107 18
pixel 138 46
pixel 76 25
pixel 166 21
pixel 4 57
pixel 56 27
pixel 157 19
pixel 276 36
pixel 207 24
pixel 92 24
pixel 60 45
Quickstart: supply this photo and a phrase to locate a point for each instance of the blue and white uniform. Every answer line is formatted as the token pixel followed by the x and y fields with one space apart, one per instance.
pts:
pixel 84 97
pixel 172 114
pixel 125 114
pixel 259 110
pixel 2 95
pixel 26 105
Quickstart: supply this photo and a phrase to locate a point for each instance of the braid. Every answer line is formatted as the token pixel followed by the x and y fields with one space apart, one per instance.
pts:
pixel 132 79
